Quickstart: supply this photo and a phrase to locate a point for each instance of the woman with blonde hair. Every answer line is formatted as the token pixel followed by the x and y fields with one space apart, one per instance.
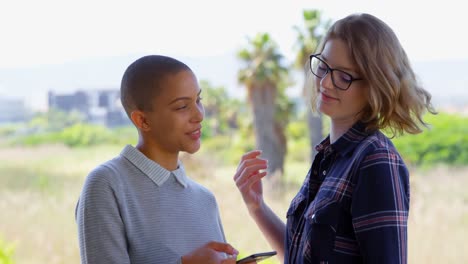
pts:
pixel 353 205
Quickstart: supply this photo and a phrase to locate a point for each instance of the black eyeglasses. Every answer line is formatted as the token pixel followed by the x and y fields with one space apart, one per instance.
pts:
pixel 341 79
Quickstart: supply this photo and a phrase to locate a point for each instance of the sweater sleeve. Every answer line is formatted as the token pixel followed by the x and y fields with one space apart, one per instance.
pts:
pixel 221 226
pixel 101 231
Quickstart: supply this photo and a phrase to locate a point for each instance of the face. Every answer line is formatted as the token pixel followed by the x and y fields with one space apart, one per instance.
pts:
pixel 340 105
pixel 175 122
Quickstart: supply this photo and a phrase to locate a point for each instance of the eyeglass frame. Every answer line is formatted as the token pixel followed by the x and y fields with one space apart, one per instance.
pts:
pixel 331 70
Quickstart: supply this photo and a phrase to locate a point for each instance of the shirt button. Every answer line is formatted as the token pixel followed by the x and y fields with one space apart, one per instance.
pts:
pixel 324 172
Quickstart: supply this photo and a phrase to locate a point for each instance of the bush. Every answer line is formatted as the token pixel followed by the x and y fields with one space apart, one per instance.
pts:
pixel 446 141
pixel 6 252
pixel 297 130
pixel 8 130
pixel 81 135
pixel 85 135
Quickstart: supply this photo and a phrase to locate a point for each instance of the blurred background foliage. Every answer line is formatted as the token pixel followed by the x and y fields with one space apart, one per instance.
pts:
pixel 444 142
pixel 228 132
pixel 6 252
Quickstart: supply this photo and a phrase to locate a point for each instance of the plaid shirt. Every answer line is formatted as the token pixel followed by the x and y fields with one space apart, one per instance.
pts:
pixel 353 205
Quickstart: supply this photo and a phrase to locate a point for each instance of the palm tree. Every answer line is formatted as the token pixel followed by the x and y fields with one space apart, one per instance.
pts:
pixel 215 103
pixel 307 42
pixel 264 77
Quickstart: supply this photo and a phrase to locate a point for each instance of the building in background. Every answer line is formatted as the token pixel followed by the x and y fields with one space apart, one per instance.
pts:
pixel 98 106
pixel 13 111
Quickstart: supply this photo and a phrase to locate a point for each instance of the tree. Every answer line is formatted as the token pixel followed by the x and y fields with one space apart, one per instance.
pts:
pixel 215 102
pixel 307 42
pixel 221 111
pixel 265 78
pixel 54 120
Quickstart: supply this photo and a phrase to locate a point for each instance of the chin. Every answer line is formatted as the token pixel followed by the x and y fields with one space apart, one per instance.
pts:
pixel 323 109
pixel 192 149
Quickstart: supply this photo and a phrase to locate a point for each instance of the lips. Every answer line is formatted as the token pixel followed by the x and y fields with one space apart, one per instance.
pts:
pixel 327 98
pixel 196 134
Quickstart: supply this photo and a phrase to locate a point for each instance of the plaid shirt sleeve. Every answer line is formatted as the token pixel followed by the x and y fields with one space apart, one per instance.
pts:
pixel 380 207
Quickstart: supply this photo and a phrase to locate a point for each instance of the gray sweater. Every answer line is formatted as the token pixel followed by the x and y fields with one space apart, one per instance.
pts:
pixel 131 210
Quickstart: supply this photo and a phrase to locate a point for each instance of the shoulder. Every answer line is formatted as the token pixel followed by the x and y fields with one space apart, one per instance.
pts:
pixel 200 191
pixel 378 148
pixel 107 174
pixel 198 187
pixel 376 159
pixel 381 163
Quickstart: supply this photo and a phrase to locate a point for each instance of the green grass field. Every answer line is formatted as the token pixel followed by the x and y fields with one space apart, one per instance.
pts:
pixel 39 188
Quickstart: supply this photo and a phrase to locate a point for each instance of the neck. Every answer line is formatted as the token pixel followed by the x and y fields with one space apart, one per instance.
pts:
pixel 169 161
pixel 338 128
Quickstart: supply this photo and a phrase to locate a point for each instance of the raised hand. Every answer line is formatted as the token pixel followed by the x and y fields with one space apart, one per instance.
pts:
pixel 248 178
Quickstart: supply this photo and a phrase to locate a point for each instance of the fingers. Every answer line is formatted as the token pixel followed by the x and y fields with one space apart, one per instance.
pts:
pixel 222 247
pixel 251 154
pixel 249 181
pixel 247 168
pixel 213 253
pixel 250 164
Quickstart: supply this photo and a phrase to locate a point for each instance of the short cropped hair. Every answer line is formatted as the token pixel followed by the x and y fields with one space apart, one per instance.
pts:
pixel 396 101
pixel 144 79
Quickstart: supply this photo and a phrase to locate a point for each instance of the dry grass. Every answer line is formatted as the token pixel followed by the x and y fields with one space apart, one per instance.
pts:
pixel 438 223
pixel 39 188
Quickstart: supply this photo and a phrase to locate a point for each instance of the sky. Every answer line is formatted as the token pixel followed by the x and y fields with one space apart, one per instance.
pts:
pixel 48 33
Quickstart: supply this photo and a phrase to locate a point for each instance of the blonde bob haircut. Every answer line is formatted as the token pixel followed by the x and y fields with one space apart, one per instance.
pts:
pixel 396 102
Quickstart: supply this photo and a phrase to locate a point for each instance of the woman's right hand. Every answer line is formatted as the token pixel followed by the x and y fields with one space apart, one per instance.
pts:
pixel 212 253
pixel 248 178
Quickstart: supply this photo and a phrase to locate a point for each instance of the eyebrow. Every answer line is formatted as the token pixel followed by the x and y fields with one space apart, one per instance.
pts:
pixel 339 68
pixel 184 98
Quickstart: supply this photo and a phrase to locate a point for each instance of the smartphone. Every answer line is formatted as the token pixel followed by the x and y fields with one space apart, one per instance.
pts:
pixel 256 257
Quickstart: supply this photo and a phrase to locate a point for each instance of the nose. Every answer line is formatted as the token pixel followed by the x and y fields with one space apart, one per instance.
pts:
pixel 198 113
pixel 326 81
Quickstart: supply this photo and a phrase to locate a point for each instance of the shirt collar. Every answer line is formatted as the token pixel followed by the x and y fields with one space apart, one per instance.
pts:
pixel 346 143
pixel 153 170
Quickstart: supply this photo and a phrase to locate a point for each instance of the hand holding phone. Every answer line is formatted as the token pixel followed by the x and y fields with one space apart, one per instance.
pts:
pixel 254 258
